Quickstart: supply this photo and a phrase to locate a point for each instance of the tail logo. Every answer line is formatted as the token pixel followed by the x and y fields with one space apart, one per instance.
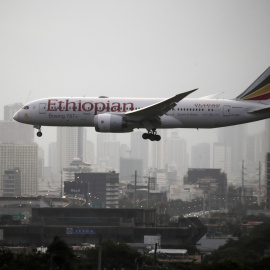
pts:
pixel 260 94
pixel 258 90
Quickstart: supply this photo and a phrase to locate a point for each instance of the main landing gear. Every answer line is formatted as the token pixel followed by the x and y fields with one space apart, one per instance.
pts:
pixel 39 133
pixel 151 135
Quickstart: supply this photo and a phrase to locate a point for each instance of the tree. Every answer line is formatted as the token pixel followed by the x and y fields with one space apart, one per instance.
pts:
pixel 114 255
pixel 61 255
pixel 248 250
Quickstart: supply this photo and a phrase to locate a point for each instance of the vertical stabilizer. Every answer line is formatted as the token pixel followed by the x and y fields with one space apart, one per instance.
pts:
pixel 258 90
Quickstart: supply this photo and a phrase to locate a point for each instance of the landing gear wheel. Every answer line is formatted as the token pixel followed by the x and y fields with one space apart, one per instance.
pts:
pixel 39 133
pixel 145 136
pixel 151 135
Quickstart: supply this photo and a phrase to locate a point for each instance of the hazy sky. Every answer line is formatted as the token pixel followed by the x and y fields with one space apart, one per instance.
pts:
pixel 146 48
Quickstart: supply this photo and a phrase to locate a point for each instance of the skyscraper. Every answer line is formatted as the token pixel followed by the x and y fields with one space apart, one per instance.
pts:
pixel 128 166
pixel 9 111
pixel 234 137
pixel 157 152
pixel 200 156
pixel 90 152
pixel 52 157
pixel 176 152
pixel 71 143
pixel 222 157
pixel 12 182
pixel 24 157
pixel 108 149
pixel 139 147
pixel 14 132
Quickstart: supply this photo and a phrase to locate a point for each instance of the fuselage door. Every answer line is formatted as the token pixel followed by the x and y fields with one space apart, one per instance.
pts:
pixel 42 108
pixel 226 110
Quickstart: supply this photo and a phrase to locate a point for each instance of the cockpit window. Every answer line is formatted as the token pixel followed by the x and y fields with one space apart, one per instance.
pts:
pixel 25 107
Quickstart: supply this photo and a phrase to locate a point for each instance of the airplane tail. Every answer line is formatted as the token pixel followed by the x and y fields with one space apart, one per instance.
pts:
pixel 259 89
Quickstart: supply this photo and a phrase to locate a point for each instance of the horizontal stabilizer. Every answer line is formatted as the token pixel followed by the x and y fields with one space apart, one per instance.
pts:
pixel 264 110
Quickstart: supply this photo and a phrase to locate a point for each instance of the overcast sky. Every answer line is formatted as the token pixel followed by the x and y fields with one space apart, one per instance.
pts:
pixel 147 48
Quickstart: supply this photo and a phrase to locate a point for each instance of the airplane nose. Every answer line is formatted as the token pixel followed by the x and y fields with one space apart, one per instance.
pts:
pixel 16 116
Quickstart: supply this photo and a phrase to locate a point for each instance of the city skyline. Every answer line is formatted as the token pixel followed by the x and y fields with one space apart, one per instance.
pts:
pixel 168 161
pixel 83 48
pixel 106 148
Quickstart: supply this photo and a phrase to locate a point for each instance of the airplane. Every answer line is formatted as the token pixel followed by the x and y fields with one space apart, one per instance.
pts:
pixel 119 115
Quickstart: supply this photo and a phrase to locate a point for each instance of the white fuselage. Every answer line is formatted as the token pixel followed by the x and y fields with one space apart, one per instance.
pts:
pixel 188 113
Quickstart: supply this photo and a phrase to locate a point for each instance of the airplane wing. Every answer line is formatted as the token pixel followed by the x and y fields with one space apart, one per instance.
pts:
pixel 158 109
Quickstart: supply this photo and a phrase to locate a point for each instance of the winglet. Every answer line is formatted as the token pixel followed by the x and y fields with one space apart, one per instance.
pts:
pixel 181 96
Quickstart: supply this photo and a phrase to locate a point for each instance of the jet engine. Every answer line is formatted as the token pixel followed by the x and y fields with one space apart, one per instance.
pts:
pixel 111 123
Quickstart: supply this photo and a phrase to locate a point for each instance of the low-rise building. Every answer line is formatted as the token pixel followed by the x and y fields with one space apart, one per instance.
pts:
pixel 100 190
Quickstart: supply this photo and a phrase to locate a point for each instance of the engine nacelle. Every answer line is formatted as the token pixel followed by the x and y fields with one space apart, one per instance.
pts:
pixel 107 122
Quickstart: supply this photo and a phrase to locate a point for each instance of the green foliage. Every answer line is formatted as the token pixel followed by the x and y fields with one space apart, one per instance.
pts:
pixel 114 255
pixel 12 261
pixel 61 255
pixel 248 250
pixel 232 229
pixel 118 255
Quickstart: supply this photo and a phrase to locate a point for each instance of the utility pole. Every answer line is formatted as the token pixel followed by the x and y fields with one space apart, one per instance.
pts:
pixel 61 193
pixel 99 252
pixel 135 190
pixel 259 182
pixel 243 187
pixel 148 189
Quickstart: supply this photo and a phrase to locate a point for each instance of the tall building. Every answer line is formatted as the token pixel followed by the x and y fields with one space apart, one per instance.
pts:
pixel 222 157
pixel 124 151
pixel 14 132
pixel 139 147
pixel 267 136
pixel 200 155
pixel 41 165
pixel 235 138
pixel 157 152
pixel 267 178
pixel 128 166
pixel 52 157
pixel 12 182
pixel 176 155
pixel 24 157
pixel 90 152
pixel 9 110
pixel 108 150
pixel 71 143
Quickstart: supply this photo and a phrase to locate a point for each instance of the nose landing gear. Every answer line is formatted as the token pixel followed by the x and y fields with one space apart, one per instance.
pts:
pixel 151 135
pixel 39 133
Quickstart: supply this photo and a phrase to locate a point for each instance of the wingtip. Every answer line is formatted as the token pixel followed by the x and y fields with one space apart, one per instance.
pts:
pixel 191 91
